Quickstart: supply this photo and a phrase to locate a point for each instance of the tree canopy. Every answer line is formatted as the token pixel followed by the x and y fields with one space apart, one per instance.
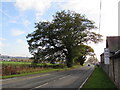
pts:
pixel 64 38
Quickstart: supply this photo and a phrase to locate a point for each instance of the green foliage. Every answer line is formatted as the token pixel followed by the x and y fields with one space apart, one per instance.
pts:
pixel 81 52
pixel 63 38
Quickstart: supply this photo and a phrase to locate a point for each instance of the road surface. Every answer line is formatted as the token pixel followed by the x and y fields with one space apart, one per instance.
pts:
pixel 62 79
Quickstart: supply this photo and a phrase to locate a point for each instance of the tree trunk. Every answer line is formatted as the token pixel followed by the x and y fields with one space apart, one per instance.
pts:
pixel 69 61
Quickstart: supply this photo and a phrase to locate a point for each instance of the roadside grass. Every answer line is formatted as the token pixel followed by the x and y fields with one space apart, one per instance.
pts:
pixel 41 71
pixel 99 79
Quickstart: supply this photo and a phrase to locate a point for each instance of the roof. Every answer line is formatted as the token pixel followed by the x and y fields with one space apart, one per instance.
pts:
pixel 113 43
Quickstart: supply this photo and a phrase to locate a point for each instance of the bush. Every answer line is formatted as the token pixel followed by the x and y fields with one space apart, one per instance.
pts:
pixel 9 70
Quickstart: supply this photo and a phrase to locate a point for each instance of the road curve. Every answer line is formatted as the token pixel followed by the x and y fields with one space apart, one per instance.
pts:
pixel 62 79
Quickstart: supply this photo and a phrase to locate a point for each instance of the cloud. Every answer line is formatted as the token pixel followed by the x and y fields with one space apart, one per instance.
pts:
pixel 20 48
pixel 90 8
pixel 83 6
pixel 7 0
pixel 20 41
pixel 38 5
pixel 12 21
pixel 26 23
pixel 2 39
pixel 16 32
pixel 1 44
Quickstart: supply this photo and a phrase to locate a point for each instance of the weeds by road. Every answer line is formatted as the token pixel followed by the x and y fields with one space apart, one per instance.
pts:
pixel 29 71
pixel 13 68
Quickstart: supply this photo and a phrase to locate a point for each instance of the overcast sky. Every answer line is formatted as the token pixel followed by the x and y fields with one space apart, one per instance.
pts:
pixel 17 18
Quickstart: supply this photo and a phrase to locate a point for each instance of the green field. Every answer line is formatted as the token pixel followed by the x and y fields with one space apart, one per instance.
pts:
pixel 7 62
pixel 99 79
pixel 22 63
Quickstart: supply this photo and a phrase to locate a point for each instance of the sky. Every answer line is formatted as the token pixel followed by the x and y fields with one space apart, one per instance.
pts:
pixel 17 18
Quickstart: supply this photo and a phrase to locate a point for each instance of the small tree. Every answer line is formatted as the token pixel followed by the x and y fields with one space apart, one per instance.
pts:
pixel 63 37
pixel 92 59
pixel 84 51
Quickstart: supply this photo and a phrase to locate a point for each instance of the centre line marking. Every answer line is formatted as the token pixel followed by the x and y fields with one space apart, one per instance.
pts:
pixel 41 85
pixel 64 77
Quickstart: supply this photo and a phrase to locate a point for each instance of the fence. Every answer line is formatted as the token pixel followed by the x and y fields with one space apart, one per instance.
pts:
pixel 113 69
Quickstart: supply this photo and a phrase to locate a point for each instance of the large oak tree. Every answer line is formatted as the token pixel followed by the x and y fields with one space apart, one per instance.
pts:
pixel 63 38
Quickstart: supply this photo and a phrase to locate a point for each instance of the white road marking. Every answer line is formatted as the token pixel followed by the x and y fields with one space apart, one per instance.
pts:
pixel 85 81
pixel 41 85
pixel 63 77
pixel 47 83
pixel 54 80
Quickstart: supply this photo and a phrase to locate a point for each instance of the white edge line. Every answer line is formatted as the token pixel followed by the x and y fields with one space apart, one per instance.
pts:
pixel 85 81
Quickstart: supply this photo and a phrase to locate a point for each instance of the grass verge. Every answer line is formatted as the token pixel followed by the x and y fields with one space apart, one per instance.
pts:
pixel 41 71
pixel 99 79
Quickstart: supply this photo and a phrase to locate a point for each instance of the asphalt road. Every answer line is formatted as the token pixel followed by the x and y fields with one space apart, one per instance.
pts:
pixel 62 79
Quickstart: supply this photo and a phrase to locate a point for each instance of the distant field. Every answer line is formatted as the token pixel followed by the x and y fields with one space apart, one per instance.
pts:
pixel 9 62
